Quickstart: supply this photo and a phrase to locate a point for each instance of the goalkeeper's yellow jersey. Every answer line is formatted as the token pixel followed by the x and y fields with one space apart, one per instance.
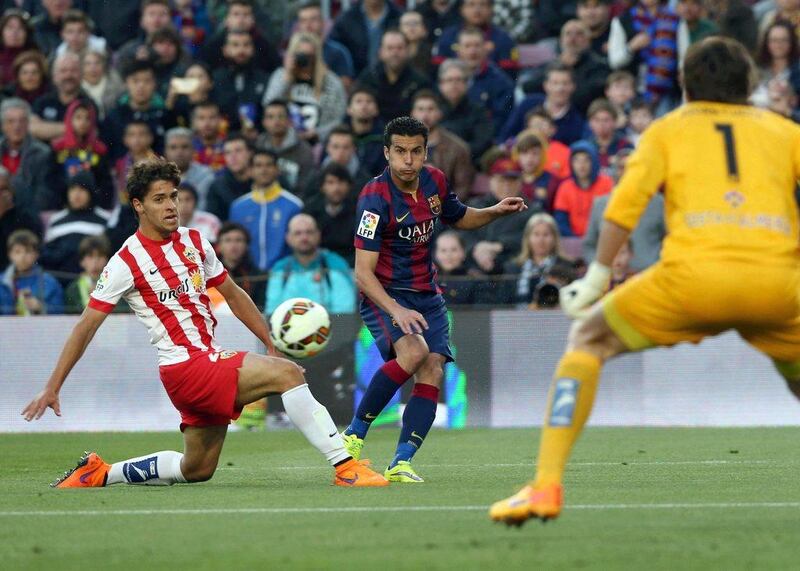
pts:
pixel 728 174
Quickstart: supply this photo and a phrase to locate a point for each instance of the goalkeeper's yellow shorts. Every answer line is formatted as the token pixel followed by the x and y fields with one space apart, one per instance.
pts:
pixel 672 303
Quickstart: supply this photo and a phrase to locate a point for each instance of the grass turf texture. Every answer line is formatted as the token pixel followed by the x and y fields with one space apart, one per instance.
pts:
pixel 465 469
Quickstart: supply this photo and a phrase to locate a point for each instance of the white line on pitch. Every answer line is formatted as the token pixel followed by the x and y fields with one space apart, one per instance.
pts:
pixel 522 464
pixel 378 509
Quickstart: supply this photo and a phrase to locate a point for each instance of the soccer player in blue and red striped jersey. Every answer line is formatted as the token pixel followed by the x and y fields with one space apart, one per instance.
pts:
pixel 401 303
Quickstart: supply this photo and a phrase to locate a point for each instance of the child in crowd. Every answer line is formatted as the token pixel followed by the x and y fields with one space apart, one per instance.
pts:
pixel 26 289
pixel 93 252
pixel 641 116
pixel 609 141
pixel 620 92
pixel 538 185
pixel 573 203
pixel 541 121
pixel 138 141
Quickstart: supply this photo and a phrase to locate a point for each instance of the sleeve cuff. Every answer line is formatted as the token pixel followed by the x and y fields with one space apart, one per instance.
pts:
pixel 214 282
pixel 103 306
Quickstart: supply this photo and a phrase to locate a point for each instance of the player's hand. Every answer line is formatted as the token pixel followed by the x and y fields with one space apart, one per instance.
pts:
pixel 510 205
pixel 409 321
pixel 48 398
pixel 579 296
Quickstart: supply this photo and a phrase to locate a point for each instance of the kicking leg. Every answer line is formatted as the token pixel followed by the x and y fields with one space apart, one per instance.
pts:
pixel 417 418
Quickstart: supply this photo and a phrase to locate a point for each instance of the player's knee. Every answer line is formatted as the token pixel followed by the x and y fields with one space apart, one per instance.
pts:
pixel 431 371
pixel 413 355
pixel 587 336
pixel 289 375
pixel 199 472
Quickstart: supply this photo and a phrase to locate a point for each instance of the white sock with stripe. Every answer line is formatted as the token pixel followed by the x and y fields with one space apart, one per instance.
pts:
pixel 314 421
pixel 157 469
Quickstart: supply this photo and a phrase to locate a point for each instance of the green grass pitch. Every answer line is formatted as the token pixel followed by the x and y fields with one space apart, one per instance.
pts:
pixel 636 499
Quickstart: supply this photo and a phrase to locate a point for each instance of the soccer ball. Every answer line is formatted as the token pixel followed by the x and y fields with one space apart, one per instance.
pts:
pixel 300 327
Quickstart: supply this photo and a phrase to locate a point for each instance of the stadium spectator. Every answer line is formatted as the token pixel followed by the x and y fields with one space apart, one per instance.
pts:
pixel 603 133
pixel 589 70
pixel 68 227
pixel 517 18
pixel 477 14
pixel 47 25
pixel 489 86
pixel 240 15
pixel 496 243
pixel 93 253
pixel 361 27
pixel 541 122
pixel 26 289
pixel 169 59
pixel 138 142
pixel 101 83
pixel 233 245
pixel 16 36
pixel 364 120
pixel 340 148
pixel 155 15
pixel 310 271
pixel 29 161
pixel 140 103
pixel 459 286
pixel 620 92
pixel 439 15
pixel 735 19
pixel 596 16
pixel 178 149
pixel 641 115
pixel 392 78
pixel 334 209
pixel 192 217
pixel 190 19
pixel 114 19
pixel 784 11
pixel 645 39
pixel 538 185
pixel 295 157
pixel 468 120
pixel 336 57
pixel 553 14
pixel 209 135
pixel 412 26
pixel 540 252
pixel 573 203
pixel 187 92
pixel 30 77
pixel 559 86
pixel 80 149
pixel 76 35
pixel 316 97
pixel 265 211
pixel 11 217
pixel 233 180
pixel 777 58
pixel 47 121
pixel 694 25
pixel 240 83
pixel 446 151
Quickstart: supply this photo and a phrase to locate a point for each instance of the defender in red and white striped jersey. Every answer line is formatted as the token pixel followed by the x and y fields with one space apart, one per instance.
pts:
pixel 163 271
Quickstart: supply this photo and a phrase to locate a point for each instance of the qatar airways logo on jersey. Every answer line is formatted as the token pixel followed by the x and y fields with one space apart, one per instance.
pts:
pixel 194 283
pixel 418 233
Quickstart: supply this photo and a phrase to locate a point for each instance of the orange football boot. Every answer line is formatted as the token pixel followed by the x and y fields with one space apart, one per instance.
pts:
pixel 91 472
pixel 543 503
pixel 355 474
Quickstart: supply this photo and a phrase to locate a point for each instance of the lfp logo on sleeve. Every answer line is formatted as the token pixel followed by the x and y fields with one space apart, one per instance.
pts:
pixel 368 225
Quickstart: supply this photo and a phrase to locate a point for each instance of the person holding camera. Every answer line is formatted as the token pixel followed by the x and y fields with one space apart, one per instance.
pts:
pixel 539 270
pixel 316 96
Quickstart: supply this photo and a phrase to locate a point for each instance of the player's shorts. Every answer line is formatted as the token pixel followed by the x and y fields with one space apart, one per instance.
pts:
pixel 204 387
pixel 385 331
pixel 669 304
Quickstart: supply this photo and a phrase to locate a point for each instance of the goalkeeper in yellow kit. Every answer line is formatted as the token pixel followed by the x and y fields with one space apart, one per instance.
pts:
pixel 730 260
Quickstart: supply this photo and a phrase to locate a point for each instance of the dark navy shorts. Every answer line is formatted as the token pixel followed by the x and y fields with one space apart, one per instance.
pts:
pixel 386 332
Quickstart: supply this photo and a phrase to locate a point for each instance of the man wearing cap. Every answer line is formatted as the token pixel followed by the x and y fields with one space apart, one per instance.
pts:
pixel 492 245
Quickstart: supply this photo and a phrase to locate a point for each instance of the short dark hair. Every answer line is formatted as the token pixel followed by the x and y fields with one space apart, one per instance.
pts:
pixel 228 227
pixel 641 104
pixel 539 112
pixel 94 244
pixel 73 16
pixel 278 103
pixel 599 105
pixel 264 153
pixel 136 66
pixel 167 34
pixel 341 130
pixel 406 127
pixel 361 88
pixel 147 172
pixel 25 238
pixel 237 136
pixel 146 3
pixel 206 105
pixel 427 94
pixel 237 32
pixel 308 4
pixel 246 3
pixel 718 69
pixel 138 123
pixel 338 171
pixel 558 67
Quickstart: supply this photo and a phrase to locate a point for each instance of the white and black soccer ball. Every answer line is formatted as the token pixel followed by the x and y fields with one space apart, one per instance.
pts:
pixel 300 327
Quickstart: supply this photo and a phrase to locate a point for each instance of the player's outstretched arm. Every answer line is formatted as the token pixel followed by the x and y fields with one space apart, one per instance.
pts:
pixel 475 218
pixel 246 311
pixel 76 344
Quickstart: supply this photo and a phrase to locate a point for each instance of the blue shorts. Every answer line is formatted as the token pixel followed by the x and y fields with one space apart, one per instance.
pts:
pixel 386 332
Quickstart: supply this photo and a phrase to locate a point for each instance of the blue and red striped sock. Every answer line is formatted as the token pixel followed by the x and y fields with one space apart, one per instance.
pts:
pixel 384 384
pixel 417 421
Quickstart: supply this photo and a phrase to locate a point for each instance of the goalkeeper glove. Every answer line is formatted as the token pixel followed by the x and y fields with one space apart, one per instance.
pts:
pixel 578 297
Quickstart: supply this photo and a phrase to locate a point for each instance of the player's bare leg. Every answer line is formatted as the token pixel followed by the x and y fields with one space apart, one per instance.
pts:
pixel 591 343
pixel 411 352
pixel 261 376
